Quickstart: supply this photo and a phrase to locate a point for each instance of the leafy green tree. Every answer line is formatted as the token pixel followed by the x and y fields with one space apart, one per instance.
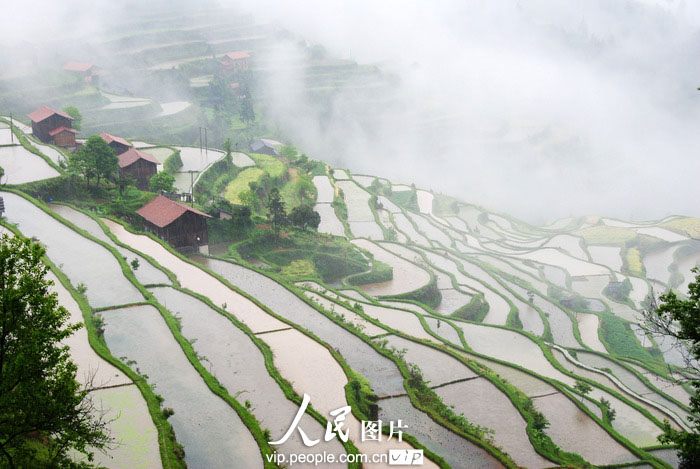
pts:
pixel 2 174
pixel 289 152
pixel 304 217
pixel 94 159
pixel 277 216
pixel 75 114
pixel 228 149
pixel 44 412
pixel 678 319
pixel 608 412
pixel 162 181
pixel 582 388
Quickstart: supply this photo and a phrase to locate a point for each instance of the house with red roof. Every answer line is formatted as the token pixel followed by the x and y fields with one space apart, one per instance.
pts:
pixel 236 61
pixel 118 144
pixel 183 227
pixel 139 166
pixel 52 126
pixel 84 69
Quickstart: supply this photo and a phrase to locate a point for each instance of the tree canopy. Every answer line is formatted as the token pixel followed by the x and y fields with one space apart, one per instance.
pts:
pixel 95 159
pixel 44 412
pixel 162 181
pixel 679 319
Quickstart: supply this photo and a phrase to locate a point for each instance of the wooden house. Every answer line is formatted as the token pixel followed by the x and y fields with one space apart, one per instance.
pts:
pixel 52 126
pixel 236 61
pixel 85 70
pixel 182 226
pixel 118 144
pixel 139 166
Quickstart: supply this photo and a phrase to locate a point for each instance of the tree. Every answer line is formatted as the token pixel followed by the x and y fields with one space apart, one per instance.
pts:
pixel 247 112
pixel 304 217
pixel 275 210
pixel 44 412
pixel 228 149
pixel 2 174
pixel 678 320
pixel 161 182
pixel 94 159
pixel 75 114
pixel 289 152
pixel 608 412
pixel 582 388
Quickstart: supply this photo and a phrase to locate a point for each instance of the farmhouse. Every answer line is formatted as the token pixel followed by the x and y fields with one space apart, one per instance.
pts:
pixel 86 70
pixel 236 61
pixel 266 146
pixel 52 126
pixel 118 144
pixel 183 227
pixel 139 166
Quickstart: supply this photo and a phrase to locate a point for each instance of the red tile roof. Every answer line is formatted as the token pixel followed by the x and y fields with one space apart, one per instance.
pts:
pixel 77 66
pixel 58 130
pixel 162 211
pixel 44 112
pixel 132 155
pixel 109 138
pixel 238 55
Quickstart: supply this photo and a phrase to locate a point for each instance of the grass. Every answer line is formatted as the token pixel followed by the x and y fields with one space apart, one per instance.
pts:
pixel 633 261
pixel 619 339
pixel 271 165
pixel 242 184
pixel 300 268
pixel 687 226
pixel 603 234
pixel 298 190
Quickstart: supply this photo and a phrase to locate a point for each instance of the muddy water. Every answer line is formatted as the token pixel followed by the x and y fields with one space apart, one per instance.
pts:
pixel 239 366
pixel 457 451
pixel 402 321
pixel 197 280
pixel 22 166
pixel 136 438
pixel 82 260
pixel 407 276
pixel 302 366
pixel 574 431
pixel 380 371
pixel 404 225
pixel 437 367
pixel 146 273
pixel 588 327
pixel 92 369
pixel 511 347
pixel 483 404
pixel 201 418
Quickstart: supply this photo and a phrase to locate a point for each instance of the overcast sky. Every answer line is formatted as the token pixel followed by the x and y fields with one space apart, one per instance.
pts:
pixel 539 108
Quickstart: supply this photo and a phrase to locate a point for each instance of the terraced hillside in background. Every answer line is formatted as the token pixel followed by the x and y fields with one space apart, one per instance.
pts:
pixel 470 326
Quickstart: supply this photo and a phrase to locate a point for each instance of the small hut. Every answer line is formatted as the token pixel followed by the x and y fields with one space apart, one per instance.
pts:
pixel 184 227
pixel 266 146
pixel 47 123
pixel 139 166
pixel 118 144
pixel 236 61
pixel 85 70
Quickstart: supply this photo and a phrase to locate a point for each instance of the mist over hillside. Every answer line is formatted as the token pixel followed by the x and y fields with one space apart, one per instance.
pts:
pixel 540 109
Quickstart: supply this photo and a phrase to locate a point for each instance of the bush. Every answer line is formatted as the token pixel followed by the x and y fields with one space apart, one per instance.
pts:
pixel 380 272
pixel 475 310
pixel 428 295
pixel 618 291
pixel 173 163
pixel 333 268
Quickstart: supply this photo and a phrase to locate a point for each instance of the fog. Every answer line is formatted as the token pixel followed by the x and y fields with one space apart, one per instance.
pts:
pixel 541 109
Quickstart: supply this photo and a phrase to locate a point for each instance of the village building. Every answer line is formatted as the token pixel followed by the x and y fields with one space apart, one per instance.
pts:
pixel 183 227
pixel 139 166
pixel 266 146
pixel 236 61
pixel 118 144
pixel 86 70
pixel 52 126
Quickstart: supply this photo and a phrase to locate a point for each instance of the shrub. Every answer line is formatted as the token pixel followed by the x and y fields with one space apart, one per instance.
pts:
pixel 173 163
pixel 380 272
pixel 475 310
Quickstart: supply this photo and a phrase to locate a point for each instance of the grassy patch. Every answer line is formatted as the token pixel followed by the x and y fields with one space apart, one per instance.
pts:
pixel 687 226
pixel 632 262
pixel 299 268
pixel 405 199
pixel 603 234
pixel 619 339
pixel 475 310
pixel 271 165
pixel 242 184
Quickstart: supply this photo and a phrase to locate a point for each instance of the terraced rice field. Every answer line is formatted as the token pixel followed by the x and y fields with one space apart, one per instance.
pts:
pixel 407 275
pixel 609 256
pixel 360 216
pixel 173 107
pixel 324 190
pixel 657 263
pixel 83 261
pixel 330 223
pixel 22 166
pixel 588 327
pixel 239 366
pixel 140 335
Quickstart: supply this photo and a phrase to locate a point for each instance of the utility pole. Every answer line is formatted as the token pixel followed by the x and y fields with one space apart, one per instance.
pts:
pixel 191 187
pixel 206 144
pixel 200 140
